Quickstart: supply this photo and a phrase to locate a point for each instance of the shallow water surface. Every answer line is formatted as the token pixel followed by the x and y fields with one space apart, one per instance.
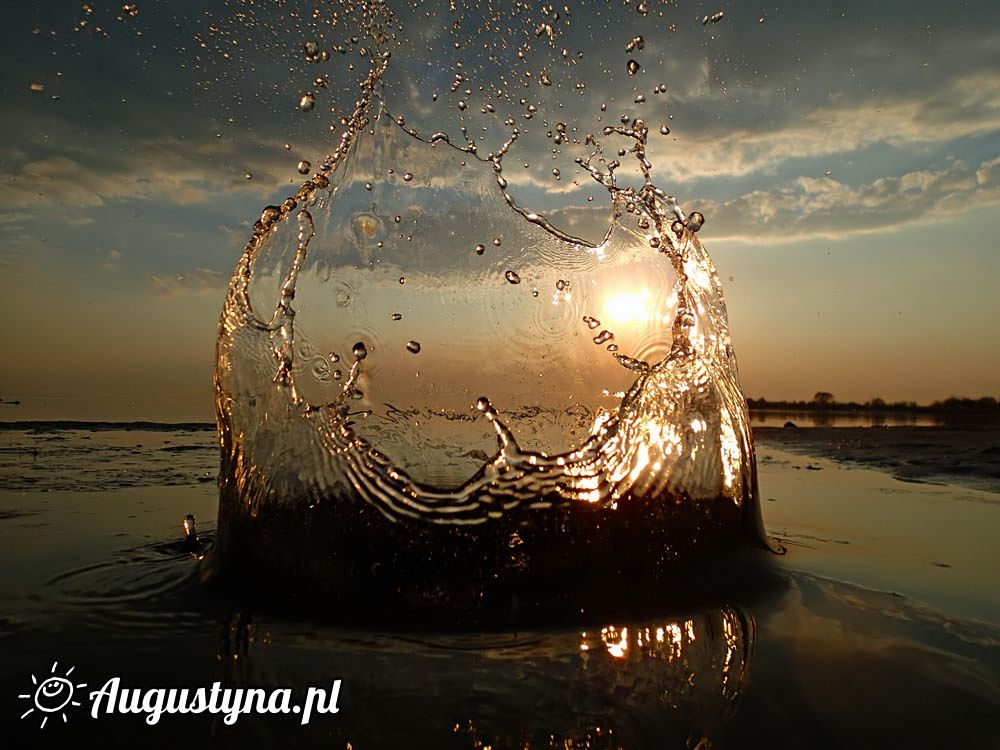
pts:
pixel 879 627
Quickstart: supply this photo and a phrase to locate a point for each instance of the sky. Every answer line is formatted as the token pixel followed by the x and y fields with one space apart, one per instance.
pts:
pixel 847 161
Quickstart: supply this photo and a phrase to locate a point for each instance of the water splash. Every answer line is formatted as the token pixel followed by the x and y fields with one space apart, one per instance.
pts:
pixel 319 480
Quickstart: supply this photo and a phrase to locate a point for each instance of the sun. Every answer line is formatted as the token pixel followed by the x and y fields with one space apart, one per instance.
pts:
pixel 629 307
pixel 52 694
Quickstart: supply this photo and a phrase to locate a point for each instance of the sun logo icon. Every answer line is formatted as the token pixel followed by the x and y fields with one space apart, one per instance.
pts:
pixel 52 695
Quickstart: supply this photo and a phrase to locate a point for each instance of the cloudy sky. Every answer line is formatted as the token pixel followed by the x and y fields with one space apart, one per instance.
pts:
pixel 847 160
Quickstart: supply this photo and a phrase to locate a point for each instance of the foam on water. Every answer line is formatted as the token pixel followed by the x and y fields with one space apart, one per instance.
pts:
pixel 389 343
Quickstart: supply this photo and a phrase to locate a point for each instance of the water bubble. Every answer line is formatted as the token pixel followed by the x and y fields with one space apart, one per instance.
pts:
pixel 512 277
pixel 360 351
pixel 561 285
pixel 413 347
pixel 632 67
pixel 307 102
pixel 695 221
pixel 304 167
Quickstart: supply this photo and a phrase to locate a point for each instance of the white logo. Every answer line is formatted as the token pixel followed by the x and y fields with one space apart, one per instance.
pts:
pixel 52 695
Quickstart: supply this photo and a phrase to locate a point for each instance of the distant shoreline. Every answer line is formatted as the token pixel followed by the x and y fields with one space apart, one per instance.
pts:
pixel 772 408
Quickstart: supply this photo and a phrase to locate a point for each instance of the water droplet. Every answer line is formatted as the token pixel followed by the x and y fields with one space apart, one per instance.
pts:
pixel 360 351
pixel 603 336
pixel 396 316
pixel 248 176
pixel 664 130
pixel 637 43
pixel 512 277
pixel 713 18
pixel 642 8
pixel 407 177
pixel 402 279
pixel 130 9
pixel 304 167
pixel 497 241
pixel 695 221
pixel 37 87
pixel 591 322
pixel 413 347
pixel 677 227
pixel 307 102
pixel 480 249
pixel 561 285
pixel 462 105
pixel 556 174
pixel 632 67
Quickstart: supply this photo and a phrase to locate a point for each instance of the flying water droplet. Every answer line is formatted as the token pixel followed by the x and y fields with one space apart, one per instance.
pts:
pixel 695 221
pixel 307 102
pixel 512 277
pixel 304 167
pixel 413 347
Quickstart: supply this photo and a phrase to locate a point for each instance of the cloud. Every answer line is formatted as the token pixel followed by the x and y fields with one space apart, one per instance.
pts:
pixel 824 207
pixel 196 281
pixel 970 106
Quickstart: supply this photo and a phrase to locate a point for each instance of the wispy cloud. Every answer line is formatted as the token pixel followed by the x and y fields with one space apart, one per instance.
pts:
pixel 197 281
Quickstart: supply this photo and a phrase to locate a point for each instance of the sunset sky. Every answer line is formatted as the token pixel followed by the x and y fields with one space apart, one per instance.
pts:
pixel 848 164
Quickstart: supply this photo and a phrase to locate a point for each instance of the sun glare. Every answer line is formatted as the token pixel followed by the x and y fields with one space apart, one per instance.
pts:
pixel 629 307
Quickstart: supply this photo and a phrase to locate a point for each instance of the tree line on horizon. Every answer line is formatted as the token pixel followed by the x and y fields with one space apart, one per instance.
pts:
pixel 825 400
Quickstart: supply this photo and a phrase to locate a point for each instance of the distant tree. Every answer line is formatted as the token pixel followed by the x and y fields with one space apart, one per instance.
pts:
pixel 822 398
pixel 876 403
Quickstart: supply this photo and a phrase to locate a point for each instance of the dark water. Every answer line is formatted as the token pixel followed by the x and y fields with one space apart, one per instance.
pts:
pixel 880 627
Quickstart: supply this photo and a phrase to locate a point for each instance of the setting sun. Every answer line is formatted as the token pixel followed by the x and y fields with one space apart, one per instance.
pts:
pixel 629 307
